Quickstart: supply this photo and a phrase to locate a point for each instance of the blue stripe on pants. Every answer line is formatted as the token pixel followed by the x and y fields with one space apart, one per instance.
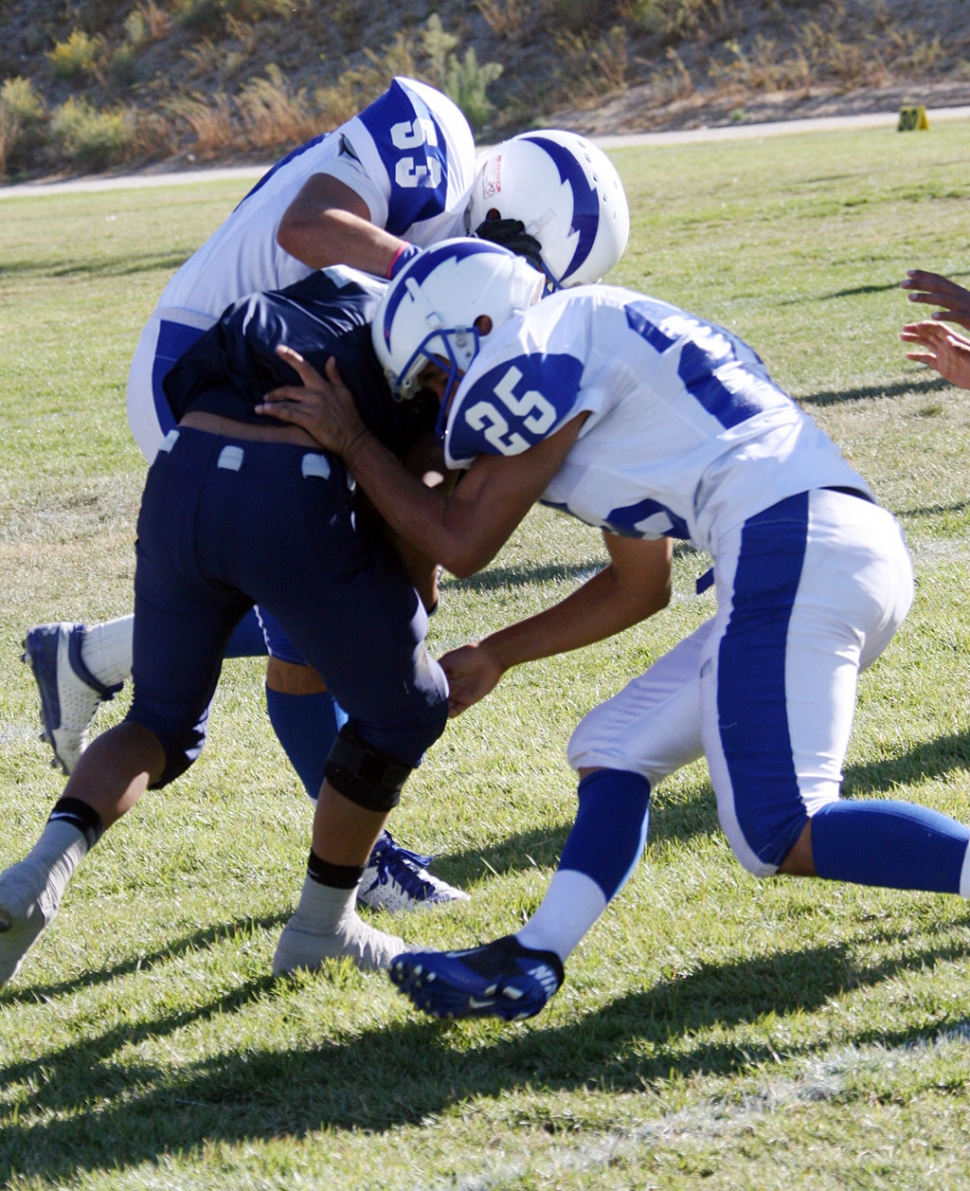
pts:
pixel 751 695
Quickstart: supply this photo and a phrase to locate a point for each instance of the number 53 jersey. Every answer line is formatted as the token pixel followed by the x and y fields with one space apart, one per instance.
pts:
pixel 686 435
pixel 409 155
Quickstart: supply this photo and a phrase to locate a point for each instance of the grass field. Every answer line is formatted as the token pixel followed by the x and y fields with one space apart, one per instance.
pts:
pixel 714 1031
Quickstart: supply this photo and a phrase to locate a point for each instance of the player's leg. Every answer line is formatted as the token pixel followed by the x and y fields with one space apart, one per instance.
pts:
pixel 348 608
pixel 306 719
pixel 303 712
pixel 76 667
pixel 817 593
pixel 107 782
pixel 68 661
pixel 179 637
pixel 622 749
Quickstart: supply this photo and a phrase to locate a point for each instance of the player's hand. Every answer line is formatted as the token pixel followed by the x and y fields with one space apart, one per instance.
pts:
pixel 934 290
pixel 322 406
pixel 511 234
pixel 940 348
pixel 472 672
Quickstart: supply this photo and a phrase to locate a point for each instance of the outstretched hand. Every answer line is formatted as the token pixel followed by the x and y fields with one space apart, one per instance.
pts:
pixel 932 289
pixel 323 406
pixel 472 672
pixel 940 348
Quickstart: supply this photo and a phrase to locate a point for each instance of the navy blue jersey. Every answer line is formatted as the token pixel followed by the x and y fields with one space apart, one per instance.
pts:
pixel 234 364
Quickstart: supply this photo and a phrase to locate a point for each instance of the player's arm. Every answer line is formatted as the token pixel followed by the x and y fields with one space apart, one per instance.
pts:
pixel 328 223
pixel 634 585
pixel 932 289
pixel 425 460
pixel 463 531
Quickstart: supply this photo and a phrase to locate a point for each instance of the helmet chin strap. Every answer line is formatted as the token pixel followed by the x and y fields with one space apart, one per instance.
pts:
pixel 535 228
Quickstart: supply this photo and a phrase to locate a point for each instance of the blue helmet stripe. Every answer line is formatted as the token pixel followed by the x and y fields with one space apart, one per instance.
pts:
pixel 424 264
pixel 586 212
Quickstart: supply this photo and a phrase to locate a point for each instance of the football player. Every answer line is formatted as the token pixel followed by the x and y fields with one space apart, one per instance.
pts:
pixel 637 417
pixel 395 177
pixel 237 509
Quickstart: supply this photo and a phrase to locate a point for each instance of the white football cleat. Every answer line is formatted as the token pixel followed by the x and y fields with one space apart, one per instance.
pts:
pixel 396 879
pixel 69 693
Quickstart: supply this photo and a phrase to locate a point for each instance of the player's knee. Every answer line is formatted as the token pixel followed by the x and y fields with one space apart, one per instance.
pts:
pixel 761 845
pixel 181 750
pixel 591 748
pixel 363 773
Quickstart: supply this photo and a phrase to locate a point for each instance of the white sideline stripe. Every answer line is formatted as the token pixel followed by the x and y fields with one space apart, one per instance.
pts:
pixel 817 1079
pixel 625 140
pixel 12 731
pixel 747 132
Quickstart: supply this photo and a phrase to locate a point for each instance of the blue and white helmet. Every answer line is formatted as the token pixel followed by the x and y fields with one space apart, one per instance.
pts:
pixel 567 193
pixel 430 309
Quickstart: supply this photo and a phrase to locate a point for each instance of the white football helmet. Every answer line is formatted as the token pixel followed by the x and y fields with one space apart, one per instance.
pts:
pixel 566 192
pixel 429 310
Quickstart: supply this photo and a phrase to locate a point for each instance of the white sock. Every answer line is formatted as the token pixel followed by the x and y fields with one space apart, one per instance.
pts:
pixel 572 904
pixel 326 926
pixel 30 891
pixel 56 855
pixel 326 907
pixel 106 650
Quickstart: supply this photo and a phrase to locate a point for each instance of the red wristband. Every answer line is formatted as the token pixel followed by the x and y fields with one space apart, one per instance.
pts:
pixel 400 259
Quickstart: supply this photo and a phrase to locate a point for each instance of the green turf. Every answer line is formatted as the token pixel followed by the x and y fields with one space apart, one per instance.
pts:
pixel 714 1031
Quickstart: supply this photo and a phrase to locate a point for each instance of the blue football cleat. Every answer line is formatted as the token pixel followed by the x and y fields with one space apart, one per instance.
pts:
pixel 501 979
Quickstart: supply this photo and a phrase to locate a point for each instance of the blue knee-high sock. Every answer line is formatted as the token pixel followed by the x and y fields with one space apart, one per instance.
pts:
pixel 247 639
pixel 610 831
pixel 602 849
pixel 896 844
pixel 306 726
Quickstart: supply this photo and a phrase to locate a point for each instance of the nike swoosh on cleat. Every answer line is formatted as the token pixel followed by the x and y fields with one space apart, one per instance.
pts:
pixel 475 1003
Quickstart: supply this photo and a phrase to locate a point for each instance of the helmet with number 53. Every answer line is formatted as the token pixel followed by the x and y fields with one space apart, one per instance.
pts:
pixel 440 304
pixel 567 193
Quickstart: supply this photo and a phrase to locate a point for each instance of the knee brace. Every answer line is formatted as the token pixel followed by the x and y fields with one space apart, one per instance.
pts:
pixel 367 776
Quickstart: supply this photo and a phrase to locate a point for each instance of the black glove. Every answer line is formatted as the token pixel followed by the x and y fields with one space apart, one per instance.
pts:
pixel 511 234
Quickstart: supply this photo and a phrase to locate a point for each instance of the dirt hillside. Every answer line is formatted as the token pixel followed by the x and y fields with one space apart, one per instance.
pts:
pixel 90 85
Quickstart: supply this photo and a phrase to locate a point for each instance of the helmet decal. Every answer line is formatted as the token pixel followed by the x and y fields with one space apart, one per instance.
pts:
pixel 586 216
pixel 429 311
pixel 418 270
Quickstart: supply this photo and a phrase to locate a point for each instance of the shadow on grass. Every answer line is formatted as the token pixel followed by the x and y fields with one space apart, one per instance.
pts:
pixel 496 578
pixel 205 938
pixel 686 819
pixel 125 266
pixel 934 510
pixel 930 758
pixel 834 397
pixel 101 1114
pixel 855 290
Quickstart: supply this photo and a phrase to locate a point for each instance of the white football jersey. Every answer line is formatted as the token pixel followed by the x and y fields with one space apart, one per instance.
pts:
pixel 409 155
pixel 687 435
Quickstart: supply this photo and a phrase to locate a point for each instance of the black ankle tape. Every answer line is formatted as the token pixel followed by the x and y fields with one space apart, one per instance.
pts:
pixel 85 818
pixel 337 876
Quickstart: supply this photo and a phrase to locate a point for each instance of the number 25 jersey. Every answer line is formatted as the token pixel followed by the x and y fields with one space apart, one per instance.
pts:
pixel 686 434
